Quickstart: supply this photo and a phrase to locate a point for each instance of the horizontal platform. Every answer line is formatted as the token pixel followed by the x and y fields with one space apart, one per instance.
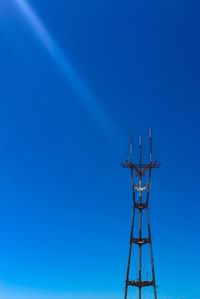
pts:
pixel 141 206
pixel 141 284
pixel 128 164
pixel 140 169
pixel 141 241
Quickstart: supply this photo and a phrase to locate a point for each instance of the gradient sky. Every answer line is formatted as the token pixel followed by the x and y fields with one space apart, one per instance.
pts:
pixel 75 78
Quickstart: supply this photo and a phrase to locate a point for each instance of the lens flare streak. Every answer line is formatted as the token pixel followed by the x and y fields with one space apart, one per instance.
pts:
pixel 79 86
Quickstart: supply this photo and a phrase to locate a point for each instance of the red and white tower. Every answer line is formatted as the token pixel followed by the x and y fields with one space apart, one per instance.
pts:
pixel 140 235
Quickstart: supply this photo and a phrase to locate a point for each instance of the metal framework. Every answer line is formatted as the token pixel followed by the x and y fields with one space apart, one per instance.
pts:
pixel 140 181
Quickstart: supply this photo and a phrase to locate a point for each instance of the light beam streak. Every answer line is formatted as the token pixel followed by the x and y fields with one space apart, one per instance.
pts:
pixel 78 85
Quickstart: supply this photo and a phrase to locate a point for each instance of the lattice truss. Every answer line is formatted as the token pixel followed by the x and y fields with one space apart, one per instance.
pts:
pixel 140 269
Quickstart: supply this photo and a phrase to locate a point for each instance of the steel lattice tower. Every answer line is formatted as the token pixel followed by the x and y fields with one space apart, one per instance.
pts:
pixel 140 181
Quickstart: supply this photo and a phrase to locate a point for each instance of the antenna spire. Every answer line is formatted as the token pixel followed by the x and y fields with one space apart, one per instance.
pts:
pixel 150 143
pixel 140 145
pixel 131 147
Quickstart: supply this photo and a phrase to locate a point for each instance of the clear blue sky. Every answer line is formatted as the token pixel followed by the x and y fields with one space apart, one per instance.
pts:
pixel 75 78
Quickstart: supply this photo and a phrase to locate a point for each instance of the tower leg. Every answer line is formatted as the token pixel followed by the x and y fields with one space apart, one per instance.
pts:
pixel 140 293
pixel 151 254
pixel 129 256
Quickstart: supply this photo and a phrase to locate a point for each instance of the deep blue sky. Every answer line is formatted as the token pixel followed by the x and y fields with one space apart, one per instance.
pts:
pixel 65 202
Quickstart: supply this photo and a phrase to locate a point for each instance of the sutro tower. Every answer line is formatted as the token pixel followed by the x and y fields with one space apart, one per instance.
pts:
pixel 139 235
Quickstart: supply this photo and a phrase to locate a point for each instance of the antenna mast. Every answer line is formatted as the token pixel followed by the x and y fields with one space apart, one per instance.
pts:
pixel 139 172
